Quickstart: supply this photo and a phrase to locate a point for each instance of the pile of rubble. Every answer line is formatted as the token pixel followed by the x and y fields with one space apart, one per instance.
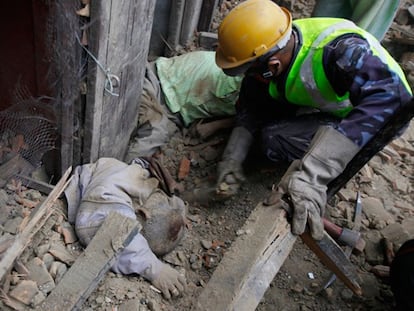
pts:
pixel 37 245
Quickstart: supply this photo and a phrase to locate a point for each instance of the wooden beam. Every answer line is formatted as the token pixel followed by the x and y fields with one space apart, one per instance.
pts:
pixel 189 24
pixel 248 267
pixel 119 40
pixel 37 218
pixel 35 184
pixel 246 270
pixel 14 166
pixel 82 278
pixel 207 12
pixel 174 26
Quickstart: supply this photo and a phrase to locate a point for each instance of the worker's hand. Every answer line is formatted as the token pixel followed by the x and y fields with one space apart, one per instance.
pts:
pixel 306 180
pixel 307 199
pixel 169 281
pixel 230 176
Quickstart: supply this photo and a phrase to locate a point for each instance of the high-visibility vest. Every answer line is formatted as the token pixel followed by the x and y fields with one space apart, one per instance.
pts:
pixel 307 84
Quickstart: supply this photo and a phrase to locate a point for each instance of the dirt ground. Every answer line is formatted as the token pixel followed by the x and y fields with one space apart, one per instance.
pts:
pixel 387 187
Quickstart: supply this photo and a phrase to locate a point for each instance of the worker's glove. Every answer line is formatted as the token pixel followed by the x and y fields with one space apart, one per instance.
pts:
pixel 230 176
pixel 305 182
pixel 229 170
pixel 169 281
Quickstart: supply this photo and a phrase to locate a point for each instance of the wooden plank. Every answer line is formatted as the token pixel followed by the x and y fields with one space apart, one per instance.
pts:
pixel 248 267
pixel 207 12
pixel 82 278
pixel 245 272
pixel 174 28
pixel 192 11
pixel 37 218
pixel 35 184
pixel 119 40
pixel 160 29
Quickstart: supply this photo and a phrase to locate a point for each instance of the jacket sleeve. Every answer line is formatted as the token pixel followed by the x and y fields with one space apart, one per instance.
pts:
pixel 375 90
pixel 136 257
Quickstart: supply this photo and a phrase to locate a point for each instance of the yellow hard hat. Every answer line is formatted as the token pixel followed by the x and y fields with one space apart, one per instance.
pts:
pixel 252 29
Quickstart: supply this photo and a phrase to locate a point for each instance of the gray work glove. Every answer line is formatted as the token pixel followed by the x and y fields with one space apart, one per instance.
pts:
pixel 305 182
pixel 229 170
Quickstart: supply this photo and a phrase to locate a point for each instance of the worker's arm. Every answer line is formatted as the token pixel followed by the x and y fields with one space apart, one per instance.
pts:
pixel 376 91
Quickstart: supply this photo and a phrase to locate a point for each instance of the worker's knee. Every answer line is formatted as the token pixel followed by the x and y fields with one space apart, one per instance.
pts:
pixel 288 140
pixel 284 141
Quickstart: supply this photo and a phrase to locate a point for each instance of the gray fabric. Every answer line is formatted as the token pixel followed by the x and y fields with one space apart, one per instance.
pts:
pixel 107 181
pixel 136 258
pixel 306 180
pixel 108 185
pixel 156 124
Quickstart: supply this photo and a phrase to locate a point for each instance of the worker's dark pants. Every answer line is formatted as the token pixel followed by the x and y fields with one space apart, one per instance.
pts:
pixel 402 276
pixel 289 139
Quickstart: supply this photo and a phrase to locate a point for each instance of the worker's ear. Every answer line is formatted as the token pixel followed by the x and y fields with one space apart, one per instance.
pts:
pixel 274 65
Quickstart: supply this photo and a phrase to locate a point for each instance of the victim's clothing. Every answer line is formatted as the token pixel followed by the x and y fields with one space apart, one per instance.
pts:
pixel 352 69
pixel 195 88
pixel 108 185
pixel 176 92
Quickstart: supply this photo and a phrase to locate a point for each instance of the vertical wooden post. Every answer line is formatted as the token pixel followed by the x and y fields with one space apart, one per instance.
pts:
pixel 206 17
pixel 190 20
pixel 119 40
pixel 176 18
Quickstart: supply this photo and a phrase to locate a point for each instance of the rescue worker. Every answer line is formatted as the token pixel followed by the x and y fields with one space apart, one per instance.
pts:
pixel 96 189
pixel 314 92
pixel 375 16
